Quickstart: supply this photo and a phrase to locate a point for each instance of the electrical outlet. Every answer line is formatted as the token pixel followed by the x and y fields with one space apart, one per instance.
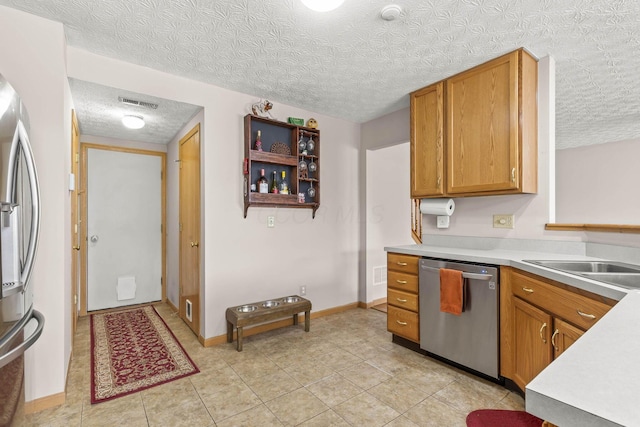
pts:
pixel 504 221
pixel 303 290
pixel 271 221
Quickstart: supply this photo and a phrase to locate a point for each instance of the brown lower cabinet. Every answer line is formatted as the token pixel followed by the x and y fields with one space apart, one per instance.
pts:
pixel 403 318
pixel 540 319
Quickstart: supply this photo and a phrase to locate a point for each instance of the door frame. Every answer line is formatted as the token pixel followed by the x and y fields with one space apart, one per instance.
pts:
pixel 84 147
pixel 75 226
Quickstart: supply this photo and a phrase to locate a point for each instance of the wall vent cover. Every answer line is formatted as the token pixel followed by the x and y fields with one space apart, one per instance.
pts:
pixel 379 275
pixel 137 103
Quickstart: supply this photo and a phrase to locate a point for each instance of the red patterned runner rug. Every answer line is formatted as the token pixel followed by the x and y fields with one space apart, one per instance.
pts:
pixel 134 350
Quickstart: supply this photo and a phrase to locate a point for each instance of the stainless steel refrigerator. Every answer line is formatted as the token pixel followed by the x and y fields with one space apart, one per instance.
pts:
pixel 20 324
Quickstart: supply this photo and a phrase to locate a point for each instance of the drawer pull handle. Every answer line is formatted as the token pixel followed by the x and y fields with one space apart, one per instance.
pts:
pixel 588 316
pixel 402 264
pixel 401 323
pixel 542 328
pixel 553 339
pixel 402 282
pixel 401 300
pixel 528 290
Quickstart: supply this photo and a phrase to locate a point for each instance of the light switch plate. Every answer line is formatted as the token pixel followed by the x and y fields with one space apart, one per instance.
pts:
pixel 504 221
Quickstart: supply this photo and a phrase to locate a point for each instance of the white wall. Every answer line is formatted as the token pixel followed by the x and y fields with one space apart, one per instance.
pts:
pixel 388 209
pixel 597 184
pixel 33 58
pixel 243 260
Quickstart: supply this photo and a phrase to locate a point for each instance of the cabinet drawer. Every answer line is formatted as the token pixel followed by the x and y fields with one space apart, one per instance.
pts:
pixel 574 308
pixel 404 323
pixel 402 263
pixel 402 299
pixel 402 281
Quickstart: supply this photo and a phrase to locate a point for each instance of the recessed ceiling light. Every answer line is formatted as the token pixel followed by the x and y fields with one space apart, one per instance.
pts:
pixel 133 122
pixel 322 5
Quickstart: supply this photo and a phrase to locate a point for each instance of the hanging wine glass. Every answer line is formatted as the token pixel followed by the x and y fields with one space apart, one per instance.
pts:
pixel 311 191
pixel 313 166
pixel 302 145
pixel 311 145
pixel 302 165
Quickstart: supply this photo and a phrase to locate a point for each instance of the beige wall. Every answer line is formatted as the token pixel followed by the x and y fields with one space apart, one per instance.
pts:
pixel 32 55
pixel 243 260
pixel 388 209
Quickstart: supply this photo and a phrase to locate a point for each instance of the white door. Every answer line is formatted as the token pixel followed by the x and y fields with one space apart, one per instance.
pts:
pixel 124 228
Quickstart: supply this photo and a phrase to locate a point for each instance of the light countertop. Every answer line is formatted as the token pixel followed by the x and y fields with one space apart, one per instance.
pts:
pixel 596 382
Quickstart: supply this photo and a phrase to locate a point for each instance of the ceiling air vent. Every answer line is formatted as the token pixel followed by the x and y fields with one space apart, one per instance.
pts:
pixel 137 103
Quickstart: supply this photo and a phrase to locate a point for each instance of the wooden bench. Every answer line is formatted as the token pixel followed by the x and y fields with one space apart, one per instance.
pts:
pixel 265 311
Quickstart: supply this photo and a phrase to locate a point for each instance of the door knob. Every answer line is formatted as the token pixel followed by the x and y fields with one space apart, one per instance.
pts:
pixel 194 244
pixel 94 238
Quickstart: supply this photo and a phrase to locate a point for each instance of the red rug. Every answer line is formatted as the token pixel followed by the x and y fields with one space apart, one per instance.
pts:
pixel 502 418
pixel 134 350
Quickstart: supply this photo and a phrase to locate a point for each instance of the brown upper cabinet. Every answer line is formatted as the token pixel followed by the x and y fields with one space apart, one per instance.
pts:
pixel 475 133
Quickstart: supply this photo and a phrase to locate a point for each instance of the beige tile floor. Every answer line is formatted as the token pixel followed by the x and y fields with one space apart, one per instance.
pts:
pixel 344 372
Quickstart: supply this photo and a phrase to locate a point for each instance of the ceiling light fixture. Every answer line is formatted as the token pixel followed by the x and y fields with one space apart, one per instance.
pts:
pixel 322 5
pixel 133 122
pixel 390 12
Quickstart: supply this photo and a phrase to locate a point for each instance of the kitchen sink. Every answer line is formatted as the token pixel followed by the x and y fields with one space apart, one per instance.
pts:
pixel 614 273
pixel 589 266
pixel 625 280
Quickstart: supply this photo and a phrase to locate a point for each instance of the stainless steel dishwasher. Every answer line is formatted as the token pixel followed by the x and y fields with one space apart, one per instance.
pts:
pixel 470 339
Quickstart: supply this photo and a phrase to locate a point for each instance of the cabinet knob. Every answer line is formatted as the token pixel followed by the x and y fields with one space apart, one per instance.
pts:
pixel 542 328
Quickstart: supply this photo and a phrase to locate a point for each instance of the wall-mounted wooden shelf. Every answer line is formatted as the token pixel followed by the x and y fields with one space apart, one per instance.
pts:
pixel 273 131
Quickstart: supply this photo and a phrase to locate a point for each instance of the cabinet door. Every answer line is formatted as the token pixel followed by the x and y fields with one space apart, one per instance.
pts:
pixel 427 143
pixel 532 350
pixel 482 128
pixel 564 335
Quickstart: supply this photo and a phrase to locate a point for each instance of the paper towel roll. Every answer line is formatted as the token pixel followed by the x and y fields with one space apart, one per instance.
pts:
pixel 437 206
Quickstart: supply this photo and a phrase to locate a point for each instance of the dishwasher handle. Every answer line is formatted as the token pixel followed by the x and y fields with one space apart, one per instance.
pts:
pixel 465 274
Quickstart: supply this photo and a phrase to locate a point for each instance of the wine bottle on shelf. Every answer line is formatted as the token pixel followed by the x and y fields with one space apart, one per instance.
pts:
pixel 263 184
pixel 274 184
pixel 284 185
pixel 259 141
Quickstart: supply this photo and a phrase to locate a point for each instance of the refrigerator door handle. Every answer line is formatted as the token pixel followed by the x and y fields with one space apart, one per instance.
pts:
pixel 23 346
pixel 21 140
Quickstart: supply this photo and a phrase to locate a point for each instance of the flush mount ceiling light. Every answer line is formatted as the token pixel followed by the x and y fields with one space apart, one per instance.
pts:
pixel 322 5
pixel 390 12
pixel 133 122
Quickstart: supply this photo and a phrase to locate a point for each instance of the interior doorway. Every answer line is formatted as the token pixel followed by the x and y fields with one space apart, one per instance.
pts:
pixel 123 217
pixel 189 229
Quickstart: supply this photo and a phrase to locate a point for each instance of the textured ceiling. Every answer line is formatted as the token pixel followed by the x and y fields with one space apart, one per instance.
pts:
pixel 100 113
pixel 350 63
